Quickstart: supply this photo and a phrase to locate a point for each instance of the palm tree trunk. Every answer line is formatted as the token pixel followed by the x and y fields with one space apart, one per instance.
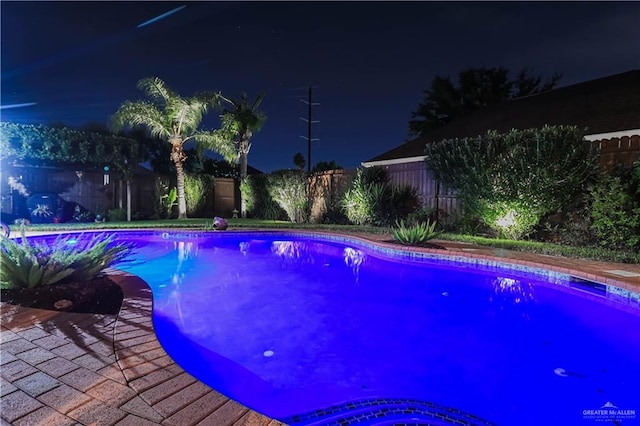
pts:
pixel 243 176
pixel 178 157
pixel 182 203
pixel 243 150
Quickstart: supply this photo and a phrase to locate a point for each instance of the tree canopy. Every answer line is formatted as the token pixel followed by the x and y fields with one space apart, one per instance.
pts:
pixel 299 161
pixel 246 119
pixel 167 115
pixel 476 88
pixel 323 166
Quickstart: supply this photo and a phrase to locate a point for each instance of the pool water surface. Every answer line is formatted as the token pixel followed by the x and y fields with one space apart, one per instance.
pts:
pixel 302 328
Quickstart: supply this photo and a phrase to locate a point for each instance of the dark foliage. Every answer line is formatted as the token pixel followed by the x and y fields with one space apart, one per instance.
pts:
pixel 476 88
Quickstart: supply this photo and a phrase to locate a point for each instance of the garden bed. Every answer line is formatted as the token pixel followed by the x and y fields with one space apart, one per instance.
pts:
pixel 98 296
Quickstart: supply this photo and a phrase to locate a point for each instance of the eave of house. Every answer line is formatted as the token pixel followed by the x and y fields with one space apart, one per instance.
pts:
pixel 612 135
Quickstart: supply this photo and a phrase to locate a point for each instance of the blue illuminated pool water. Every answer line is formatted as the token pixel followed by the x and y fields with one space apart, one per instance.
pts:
pixel 290 324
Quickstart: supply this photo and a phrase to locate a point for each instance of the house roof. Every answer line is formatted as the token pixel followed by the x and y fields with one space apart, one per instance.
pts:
pixel 605 105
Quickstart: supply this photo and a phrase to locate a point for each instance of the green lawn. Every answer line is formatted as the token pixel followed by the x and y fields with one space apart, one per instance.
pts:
pixel 595 253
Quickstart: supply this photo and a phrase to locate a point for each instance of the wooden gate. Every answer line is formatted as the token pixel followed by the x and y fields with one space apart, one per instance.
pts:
pixel 224 197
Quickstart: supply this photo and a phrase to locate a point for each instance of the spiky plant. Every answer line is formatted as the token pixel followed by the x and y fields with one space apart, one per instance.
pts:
pixel 70 258
pixel 416 234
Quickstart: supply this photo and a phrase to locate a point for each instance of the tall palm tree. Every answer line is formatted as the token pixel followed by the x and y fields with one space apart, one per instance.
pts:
pixel 245 119
pixel 167 115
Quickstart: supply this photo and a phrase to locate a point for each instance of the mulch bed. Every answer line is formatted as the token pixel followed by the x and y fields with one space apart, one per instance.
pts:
pixel 98 296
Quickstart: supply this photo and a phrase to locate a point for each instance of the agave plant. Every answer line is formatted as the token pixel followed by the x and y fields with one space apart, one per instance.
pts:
pixel 42 210
pixel 27 265
pixel 416 234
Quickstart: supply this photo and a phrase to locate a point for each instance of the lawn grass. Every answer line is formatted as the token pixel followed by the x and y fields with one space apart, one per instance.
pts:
pixel 593 253
pixel 582 252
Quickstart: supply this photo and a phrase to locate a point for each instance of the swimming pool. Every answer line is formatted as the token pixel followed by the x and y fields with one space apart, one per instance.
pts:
pixel 312 329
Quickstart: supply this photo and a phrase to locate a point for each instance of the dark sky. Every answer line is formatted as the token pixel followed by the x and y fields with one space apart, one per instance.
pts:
pixel 368 61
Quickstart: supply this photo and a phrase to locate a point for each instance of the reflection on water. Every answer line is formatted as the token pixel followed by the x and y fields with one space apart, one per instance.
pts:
pixel 244 247
pixel 186 250
pixel 293 252
pixel 354 259
pixel 509 293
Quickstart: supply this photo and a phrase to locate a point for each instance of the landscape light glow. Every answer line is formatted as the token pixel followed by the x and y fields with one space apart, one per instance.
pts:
pixel 507 220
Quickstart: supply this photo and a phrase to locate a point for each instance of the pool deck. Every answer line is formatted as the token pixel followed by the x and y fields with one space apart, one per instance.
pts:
pixel 87 369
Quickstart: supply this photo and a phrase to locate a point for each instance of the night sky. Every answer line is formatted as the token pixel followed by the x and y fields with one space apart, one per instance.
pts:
pixel 367 61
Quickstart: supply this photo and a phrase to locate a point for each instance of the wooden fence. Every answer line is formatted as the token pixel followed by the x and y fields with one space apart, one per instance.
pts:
pixel 432 195
pixel 326 189
pixel 619 152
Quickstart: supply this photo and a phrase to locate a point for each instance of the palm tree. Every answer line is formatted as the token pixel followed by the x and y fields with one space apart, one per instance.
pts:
pixel 175 119
pixel 246 120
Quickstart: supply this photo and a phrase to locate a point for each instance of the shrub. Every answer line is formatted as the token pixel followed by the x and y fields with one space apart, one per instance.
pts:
pixel 116 215
pixel 260 205
pixel 510 219
pixel 271 210
pixel 248 193
pixel 404 201
pixel 416 234
pixel 615 213
pixel 523 174
pixel 165 199
pixel 356 200
pixel 372 200
pixel 420 215
pixel 289 189
pixel 195 188
pixel 69 258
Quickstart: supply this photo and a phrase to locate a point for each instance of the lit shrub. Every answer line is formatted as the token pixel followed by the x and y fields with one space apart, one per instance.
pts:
pixel 249 193
pixel 71 258
pixel 521 175
pixel 288 188
pixel 259 203
pixel 195 190
pixel 513 220
pixel 357 200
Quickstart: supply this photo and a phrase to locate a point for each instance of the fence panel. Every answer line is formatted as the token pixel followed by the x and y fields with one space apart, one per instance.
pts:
pixel 432 195
pixel 619 152
pixel 325 190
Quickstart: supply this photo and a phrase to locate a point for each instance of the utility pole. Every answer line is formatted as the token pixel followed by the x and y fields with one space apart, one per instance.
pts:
pixel 309 123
